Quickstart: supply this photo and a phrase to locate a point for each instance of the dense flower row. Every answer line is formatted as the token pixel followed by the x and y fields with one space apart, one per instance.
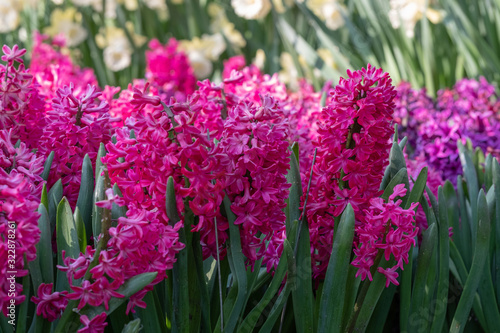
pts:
pixel 433 126
pixel 230 138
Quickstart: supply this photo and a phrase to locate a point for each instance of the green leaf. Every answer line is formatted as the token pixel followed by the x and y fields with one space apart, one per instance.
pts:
pixel 67 240
pixel 472 185
pixel 424 259
pixel 85 202
pixel 133 326
pixel 98 162
pixel 149 316
pixel 302 294
pixel 372 296
pixel 21 318
pixel 251 319
pixel 293 205
pixel 496 267
pixel 397 179
pixel 180 285
pixel 47 165
pixel 129 288
pixel 80 229
pixel 418 188
pixel 44 257
pixel 237 263
pixel 99 195
pixel 444 272
pixel 55 196
pixel 476 270
pixel 118 211
pixel 334 289
pixel 45 197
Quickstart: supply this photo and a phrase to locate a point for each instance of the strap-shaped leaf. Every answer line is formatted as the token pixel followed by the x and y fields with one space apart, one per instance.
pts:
pixel 251 319
pixel 180 285
pixel 67 240
pixel 334 288
pixel 444 275
pixel 237 264
pixel 47 165
pixel 476 270
pixel 429 242
pixel 85 199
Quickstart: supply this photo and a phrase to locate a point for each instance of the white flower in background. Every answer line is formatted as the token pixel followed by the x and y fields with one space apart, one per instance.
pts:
pixel 130 4
pixel 201 65
pixel 260 59
pixel 251 9
pixel 117 55
pixel 327 57
pixel 160 6
pixel 329 11
pixel 117 49
pixel 97 5
pixel 407 13
pixel 202 51
pixel 9 15
pixel 67 23
pixel 220 24
pixel 288 74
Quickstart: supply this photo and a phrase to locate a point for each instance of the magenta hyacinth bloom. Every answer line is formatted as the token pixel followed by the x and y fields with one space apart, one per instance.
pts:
pixel 50 305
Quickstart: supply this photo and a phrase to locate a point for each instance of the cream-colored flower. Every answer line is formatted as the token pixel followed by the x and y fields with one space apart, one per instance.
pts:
pixel 117 55
pixel 117 49
pixel 9 15
pixel 201 65
pixel 260 58
pixel 220 24
pixel 251 9
pixel 288 74
pixel 129 4
pixel 67 23
pixel 202 51
pixel 329 11
pixel 159 6
pixel 327 57
pixel 407 13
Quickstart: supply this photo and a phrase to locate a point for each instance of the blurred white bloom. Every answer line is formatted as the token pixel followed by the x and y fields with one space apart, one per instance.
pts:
pixel 66 23
pixel 202 51
pixel 251 9
pixel 117 49
pixel 260 58
pixel 220 24
pixel 407 13
pixel 160 6
pixel 329 11
pixel 201 65
pixel 130 4
pixel 117 55
pixel 327 57
pixel 155 4
pixel 23 34
pixel 9 15
pixel 214 45
pixel 288 74
pixel 57 2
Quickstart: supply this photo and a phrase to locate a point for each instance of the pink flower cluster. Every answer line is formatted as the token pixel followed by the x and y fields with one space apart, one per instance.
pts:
pixel 389 228
pixel 20 189
pixel 353 150
pixel 76 125
pixel 22 105
pixel 255 152
pixel 169 70
pixel 53 69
